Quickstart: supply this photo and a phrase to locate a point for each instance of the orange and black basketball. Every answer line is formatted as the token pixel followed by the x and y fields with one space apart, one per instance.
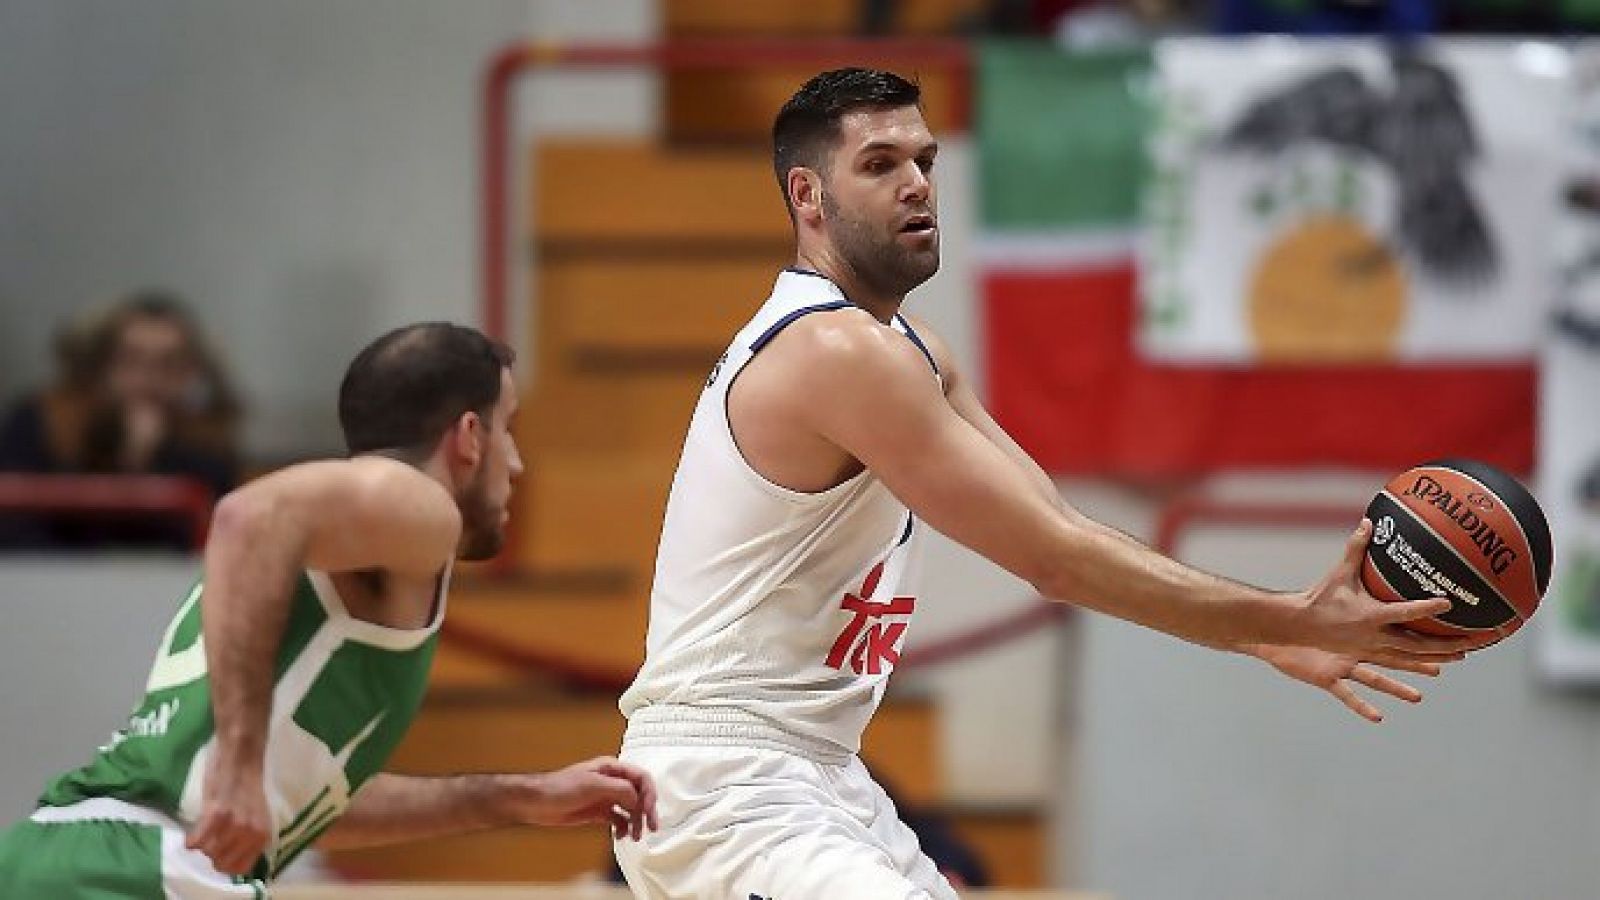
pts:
pixel 1464 530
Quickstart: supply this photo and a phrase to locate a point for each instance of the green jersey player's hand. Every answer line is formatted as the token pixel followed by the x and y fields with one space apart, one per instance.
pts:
pixel 234 824
pixel 596 790
pixel 393 808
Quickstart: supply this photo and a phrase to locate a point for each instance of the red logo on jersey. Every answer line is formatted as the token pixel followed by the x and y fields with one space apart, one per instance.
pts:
pixel 870 650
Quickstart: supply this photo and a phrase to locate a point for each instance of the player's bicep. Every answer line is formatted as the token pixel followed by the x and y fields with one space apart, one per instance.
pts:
pixel 887 411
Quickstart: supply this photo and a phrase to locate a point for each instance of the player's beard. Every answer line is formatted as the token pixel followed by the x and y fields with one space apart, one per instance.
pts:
pixel 481 519
pixel 875 256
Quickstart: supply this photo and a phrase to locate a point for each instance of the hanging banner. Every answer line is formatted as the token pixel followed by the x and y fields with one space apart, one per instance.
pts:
pixel 1062 169
pixel 1569 401
pixel 1350 202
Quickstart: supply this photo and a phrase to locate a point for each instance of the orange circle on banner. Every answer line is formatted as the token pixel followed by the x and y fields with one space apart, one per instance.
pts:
pixel 1327 291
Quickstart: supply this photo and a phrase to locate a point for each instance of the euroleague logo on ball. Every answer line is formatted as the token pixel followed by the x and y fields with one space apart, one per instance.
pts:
pixel 1480 501
pixel 1384 530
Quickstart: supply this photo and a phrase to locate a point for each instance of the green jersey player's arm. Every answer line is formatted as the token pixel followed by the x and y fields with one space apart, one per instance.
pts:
pixel 882 408
pixel 391 808
pixel 335 516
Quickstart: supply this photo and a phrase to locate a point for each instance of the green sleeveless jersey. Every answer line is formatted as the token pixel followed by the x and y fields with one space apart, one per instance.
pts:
pixel 345 691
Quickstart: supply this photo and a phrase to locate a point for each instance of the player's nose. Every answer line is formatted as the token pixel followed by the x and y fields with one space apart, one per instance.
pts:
pixel 917 187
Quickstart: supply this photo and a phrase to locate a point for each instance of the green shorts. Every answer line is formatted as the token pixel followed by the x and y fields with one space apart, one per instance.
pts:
pixel 105 849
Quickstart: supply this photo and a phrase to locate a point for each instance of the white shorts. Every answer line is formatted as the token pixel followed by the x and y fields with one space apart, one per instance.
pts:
pixel 761 824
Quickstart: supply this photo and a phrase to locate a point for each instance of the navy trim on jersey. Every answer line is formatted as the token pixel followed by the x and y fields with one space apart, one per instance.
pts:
pixel 796 270
pixel 911 520
pixel 912 333
pixel 767 336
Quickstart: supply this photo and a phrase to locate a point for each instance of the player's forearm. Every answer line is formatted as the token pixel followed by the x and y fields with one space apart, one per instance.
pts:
pixel 252 559
pixel 392 809
pixel 1112 573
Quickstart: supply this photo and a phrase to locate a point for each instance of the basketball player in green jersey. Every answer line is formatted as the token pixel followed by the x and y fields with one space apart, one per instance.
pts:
pixel 295 666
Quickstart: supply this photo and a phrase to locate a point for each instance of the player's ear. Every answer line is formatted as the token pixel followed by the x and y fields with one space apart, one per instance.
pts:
pixel 467 439
pixel 805 194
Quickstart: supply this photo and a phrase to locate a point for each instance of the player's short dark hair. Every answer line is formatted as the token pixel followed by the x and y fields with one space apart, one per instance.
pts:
pixel 807 128
pixel 405 389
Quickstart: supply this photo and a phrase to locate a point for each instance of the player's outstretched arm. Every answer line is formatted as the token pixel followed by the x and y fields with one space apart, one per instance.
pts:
pixel 1336 673
pixel 871 394
pixel 336 516
pixel 392 809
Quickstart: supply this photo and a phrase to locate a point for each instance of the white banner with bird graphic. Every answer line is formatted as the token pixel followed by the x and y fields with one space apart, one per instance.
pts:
pixel 1351 202
pixel 1569 430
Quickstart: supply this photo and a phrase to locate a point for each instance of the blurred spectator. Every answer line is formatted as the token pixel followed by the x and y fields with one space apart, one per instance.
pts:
pixel 1147 18
pixel 1391 17
pixel 1105 24
pixel 138 391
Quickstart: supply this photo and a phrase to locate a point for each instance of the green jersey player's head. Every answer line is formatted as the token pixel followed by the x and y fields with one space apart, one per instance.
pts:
pixel 437 391
pixel 854 160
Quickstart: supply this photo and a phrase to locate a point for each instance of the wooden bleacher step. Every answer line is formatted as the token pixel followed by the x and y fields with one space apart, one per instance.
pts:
pixel 595 511
pixel 599 623
pixel 706 107
pixel 604 633
pixel 628 315
pixel 612 197
pixel 642 417
pixel 1013 840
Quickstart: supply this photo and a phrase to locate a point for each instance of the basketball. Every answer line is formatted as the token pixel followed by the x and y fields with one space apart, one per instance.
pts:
pixel 1463 530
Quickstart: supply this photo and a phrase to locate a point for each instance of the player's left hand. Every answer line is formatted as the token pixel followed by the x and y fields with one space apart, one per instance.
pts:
pixel 602 789
pixel 1335 673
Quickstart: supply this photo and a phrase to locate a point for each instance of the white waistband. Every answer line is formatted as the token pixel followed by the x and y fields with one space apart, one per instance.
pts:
pixel 104 808
pixel 668 724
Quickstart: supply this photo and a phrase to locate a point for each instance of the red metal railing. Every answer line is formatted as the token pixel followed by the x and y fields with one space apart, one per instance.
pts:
pixel 1189 509
pixel 98 496
pixel 581 674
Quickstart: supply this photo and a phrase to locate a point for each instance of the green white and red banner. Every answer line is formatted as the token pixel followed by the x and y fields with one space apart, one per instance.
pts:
pixel 1065 180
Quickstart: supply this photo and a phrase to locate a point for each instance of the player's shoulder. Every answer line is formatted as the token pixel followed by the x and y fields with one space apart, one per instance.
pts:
pixel 373 481
pixel 850 340
pixel 387 474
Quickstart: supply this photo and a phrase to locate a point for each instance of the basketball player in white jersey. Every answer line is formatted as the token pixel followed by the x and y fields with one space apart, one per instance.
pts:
pixel 294 668
pixel 831 435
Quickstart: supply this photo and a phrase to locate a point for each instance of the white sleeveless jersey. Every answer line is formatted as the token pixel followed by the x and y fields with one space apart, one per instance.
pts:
pixel 776 616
